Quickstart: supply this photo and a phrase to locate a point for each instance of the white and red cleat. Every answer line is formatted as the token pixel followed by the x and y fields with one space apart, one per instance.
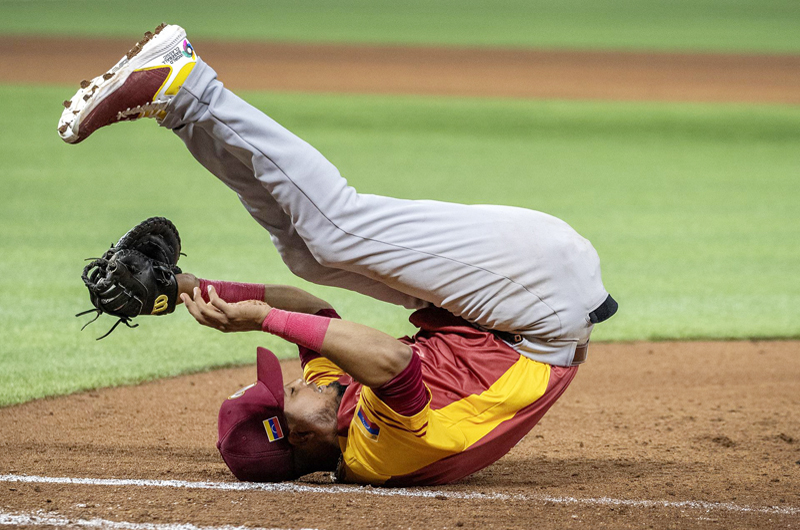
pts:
pixel 140 85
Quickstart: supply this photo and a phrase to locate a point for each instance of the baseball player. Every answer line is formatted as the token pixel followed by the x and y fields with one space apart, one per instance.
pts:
pixel 505 298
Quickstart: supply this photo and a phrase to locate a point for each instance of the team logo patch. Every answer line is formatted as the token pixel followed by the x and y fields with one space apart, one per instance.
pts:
pixel 239 393
pixel 372 430
pixel 187 51
pixel 273 428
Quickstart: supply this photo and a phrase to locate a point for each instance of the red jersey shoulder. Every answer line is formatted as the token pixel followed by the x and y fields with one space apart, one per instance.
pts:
pixel 458 359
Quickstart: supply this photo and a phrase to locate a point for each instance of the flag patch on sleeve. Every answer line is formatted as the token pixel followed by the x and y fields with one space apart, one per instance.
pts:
pixel 273 428
pixel 371 429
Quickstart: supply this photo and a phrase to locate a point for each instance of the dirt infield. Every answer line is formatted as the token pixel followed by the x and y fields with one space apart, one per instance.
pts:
pixel 668 435
pixel 443 71
pixel 642 425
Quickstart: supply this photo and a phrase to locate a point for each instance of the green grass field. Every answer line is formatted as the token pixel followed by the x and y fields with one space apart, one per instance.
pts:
pixel 712 25
pixel 691 207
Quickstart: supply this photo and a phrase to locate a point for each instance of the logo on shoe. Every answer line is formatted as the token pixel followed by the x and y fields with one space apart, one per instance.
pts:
pixel 187 51
pixel 173 56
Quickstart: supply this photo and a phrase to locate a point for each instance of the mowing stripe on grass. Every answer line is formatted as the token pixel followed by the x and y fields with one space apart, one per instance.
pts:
pixel 400 492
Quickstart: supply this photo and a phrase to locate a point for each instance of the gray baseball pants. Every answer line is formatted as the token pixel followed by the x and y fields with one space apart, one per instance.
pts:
pixel 499 267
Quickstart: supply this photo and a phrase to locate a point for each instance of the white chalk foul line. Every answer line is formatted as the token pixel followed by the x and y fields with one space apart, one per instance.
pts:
pixel 280 487
pixel 291 487
pixel 44 519
pixel 694 505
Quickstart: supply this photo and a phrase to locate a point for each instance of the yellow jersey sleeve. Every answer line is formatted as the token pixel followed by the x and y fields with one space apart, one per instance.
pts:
pixel 321 371
pixel 382 442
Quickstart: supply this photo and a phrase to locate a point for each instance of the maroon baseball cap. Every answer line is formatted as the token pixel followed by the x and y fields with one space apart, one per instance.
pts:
pixel 253 435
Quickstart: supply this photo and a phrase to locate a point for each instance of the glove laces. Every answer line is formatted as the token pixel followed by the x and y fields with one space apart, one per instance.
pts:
pixel 122 320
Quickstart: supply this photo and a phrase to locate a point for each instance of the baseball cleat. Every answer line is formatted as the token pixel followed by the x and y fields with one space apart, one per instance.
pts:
pixel 140 85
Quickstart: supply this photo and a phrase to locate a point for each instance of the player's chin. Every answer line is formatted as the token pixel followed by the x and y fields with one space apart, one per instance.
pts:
pixel 337 388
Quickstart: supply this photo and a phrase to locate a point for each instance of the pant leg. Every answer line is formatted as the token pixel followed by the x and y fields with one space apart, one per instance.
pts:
pixel 262 207
pixel 499 267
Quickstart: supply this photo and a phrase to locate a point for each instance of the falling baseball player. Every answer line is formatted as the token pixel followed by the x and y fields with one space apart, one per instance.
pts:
pixel 505 298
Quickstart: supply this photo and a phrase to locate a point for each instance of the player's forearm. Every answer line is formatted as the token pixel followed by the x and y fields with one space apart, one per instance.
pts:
pixel 281 296
pixel 370 356
pixel 294 299
pixel 186 284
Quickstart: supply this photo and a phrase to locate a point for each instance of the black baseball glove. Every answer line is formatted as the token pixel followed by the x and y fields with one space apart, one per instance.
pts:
pixel 137 275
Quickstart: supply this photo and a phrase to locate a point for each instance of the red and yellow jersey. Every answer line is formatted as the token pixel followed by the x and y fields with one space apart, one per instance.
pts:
pixel 484 397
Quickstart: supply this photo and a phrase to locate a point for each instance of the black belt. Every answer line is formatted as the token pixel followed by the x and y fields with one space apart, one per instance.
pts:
pixel 601 314
pixel 605 311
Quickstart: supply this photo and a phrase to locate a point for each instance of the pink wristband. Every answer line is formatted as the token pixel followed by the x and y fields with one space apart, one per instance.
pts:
pixel 304 330
pixel 233 292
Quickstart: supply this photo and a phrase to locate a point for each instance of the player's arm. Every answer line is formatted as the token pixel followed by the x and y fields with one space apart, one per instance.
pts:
pixel 370 356
pixel 283 297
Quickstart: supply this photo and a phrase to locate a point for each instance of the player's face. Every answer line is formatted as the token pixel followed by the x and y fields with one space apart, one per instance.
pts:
pixel 305 403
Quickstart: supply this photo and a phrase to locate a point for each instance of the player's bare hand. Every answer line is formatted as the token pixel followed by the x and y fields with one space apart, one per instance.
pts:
pixel 218 314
